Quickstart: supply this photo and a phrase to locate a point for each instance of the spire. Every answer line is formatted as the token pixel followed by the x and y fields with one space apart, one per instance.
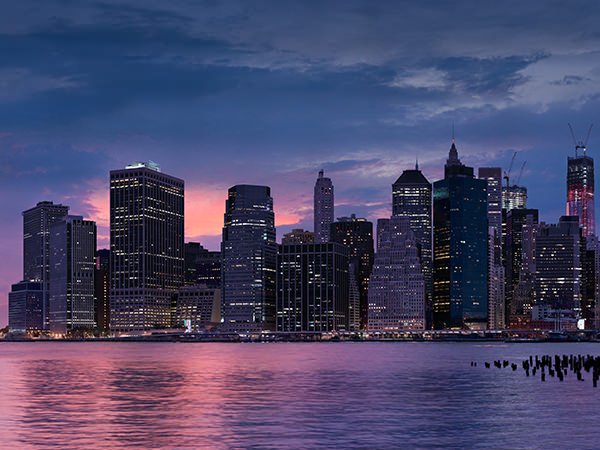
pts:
pixel 453 153
pixel 321 173
pixel 417 163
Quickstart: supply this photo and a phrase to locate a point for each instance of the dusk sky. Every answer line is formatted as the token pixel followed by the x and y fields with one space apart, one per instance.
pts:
pixel 269 92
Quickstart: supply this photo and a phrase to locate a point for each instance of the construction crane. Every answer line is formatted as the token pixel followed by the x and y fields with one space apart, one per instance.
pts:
pixel 507 173
pixel 520 173
pixel 580 144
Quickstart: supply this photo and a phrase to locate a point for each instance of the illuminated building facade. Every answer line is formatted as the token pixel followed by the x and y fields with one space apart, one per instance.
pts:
pixel 36 245
pixel 197 307
pixel 514 197
pixel 397 283
pixel 146 246
pixel 72 266
pixel 460 269
pixel 580 192
pixel 249 258
pixel 312 287
pixel 496 306
pixel 26 306
pixel 521 230
pixel 558 265
pixel 356 234
pixel 323 208
pixel 412 198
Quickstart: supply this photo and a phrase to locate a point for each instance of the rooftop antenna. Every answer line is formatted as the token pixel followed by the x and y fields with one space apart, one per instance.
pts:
pixel 453 132
pixel 417 163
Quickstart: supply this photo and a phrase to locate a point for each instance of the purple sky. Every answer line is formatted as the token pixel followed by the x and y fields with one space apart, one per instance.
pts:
pixel 269 92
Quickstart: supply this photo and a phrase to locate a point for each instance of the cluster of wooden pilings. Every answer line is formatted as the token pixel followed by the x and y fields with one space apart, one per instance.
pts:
pixel 557 367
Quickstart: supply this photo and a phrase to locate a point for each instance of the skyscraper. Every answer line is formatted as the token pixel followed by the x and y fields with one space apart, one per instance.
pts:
pixel 249 258
pixel 356 234
pixel 558 265
pixel 411 198
pixel 323 209
pixel 312 287
pixel 496 306
pixel 36 246
pixel 146 246
pixel 397 283
pixel 72 265
pixel 580 192
pixel 460 274
pixel 521 228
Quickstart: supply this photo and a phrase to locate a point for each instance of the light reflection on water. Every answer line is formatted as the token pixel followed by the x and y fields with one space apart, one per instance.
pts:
pixel 268 396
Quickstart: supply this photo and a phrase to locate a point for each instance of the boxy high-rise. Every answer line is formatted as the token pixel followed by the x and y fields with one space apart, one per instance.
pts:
pixel 146 243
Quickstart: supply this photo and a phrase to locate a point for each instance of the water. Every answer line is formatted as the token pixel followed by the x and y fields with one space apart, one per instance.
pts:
pixel 298 396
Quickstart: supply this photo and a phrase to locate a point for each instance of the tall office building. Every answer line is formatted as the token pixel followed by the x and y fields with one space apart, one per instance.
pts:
pixel 102 290
pixel 496 306
pixel 460 234
pixel 202 266
pixel 26 306
pixel 146 246
pixel 323 209
pixel 558 265
pixel 580 192
pixel 249 258
pixel 312 287
pixel 514 197
pixel 72 265
pixel 411 198
pixel 521 230
pixel 397 283
pixel 356 234
pixel 36 247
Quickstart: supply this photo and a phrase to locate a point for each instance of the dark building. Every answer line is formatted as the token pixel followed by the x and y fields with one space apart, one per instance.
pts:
pixel 25 306
pixel 412 198
pixel 202 266
pixel 460 278
pixel 146 246
pixel 249 258
pixel 102 290
pixel 36 247
pixel 323 208
pixel 580 191
pixel 312 287
pixel 72 265
pixel 298 236
pixel 356 234
pixel 197 307
pixel 519 248
pixel 558 265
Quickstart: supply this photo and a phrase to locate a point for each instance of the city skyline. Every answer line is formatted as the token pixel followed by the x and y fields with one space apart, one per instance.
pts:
pixel 210 103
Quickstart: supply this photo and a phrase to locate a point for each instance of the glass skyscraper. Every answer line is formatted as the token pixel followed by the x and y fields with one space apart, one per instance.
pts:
pixel 323 208
pixel 356 234
pixel 72 266
pixel 146 246
pixel 312 287
pixel 249 258
pixel 460 269
pixel 412 198
pixel 580 192
pixel 36 245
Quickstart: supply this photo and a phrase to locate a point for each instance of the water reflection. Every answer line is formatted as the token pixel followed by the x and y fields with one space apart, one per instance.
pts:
pixel 98 396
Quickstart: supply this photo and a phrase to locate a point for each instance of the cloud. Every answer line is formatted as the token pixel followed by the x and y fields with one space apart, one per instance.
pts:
pixel 430 78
